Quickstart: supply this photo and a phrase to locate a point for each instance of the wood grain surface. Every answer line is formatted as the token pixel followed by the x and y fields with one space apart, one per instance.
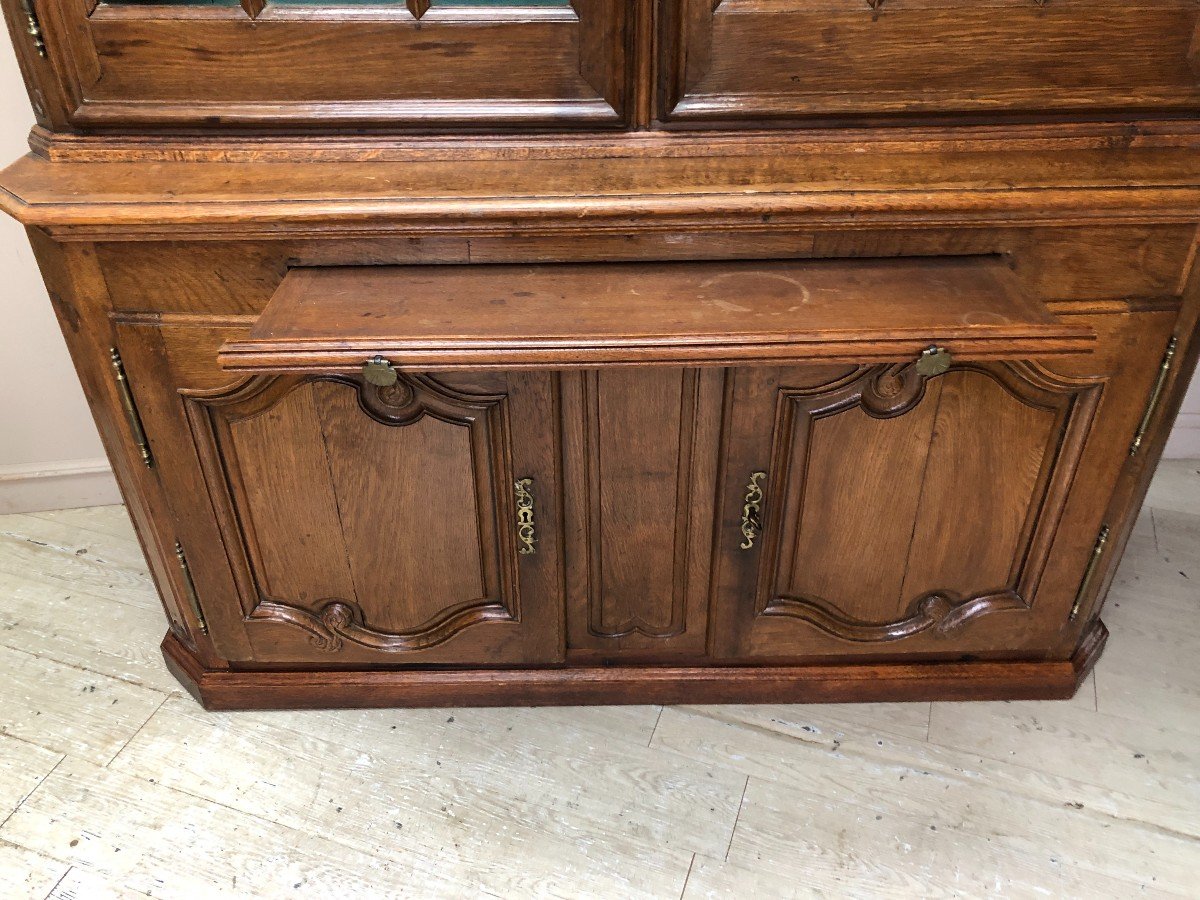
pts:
pixel 653 279
pixel 329 319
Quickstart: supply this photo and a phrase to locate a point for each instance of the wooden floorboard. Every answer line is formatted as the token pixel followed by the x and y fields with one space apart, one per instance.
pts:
pixel 114 783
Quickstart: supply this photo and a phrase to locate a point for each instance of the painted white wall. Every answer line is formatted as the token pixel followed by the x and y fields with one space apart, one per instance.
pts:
pixel 1184 442
pixel 50 454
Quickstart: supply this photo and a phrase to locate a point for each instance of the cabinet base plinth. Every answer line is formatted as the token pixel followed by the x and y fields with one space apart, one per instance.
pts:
pixel 222 689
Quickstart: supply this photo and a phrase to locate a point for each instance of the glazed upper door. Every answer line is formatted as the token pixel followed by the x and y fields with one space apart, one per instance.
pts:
pixel 332 520
pixel 902 60
pixel 420 64
pixel 875 509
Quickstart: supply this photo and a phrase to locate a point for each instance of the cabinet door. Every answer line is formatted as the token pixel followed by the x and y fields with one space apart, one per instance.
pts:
pixel 327 520
pixel 828 61
pixel 873 510
pixel 423 65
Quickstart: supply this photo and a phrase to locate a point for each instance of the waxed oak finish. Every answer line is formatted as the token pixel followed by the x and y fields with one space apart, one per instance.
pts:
pixel 900 60
pixel 556 316
pixel 653 278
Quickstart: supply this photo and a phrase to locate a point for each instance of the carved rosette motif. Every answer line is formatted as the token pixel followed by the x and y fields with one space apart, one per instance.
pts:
pixel 892 390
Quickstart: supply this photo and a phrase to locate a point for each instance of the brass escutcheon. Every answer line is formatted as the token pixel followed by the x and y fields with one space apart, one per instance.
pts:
pixel 751 512
pixel 526 535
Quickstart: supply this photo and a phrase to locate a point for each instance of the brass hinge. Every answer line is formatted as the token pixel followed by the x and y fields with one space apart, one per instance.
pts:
pixel 1090 572
pixel 189 588
pixel 33 28
pixel 130 406
pixel 1156 393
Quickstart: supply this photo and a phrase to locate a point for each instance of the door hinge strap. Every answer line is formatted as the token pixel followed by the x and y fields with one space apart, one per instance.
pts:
pixel 33 28
pixel 130 406
pixel 1156 394
pixel 1089 573
pixel 189 588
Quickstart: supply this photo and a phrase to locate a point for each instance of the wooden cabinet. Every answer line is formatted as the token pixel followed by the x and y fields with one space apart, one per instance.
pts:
pixel 613 514
pixel 424 65
pixel 880 60
pixel 888 515
pixel 431 66
pixel 640 452
pixel 413 522
pixel 651 351
pixel 898 510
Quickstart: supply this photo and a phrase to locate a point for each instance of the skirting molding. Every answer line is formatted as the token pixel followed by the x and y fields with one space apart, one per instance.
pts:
pixel 1184 442
pixel 228 689
pixel 57 485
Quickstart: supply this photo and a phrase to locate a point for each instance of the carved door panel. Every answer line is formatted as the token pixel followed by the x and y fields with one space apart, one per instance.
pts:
pixel 640 453
pixel 873 510
pixel 414 522
pixel 429 65
pixel 903 60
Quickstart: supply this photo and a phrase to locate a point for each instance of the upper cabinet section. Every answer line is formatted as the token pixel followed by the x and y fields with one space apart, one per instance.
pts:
pixel 424 65
pixel 524 66
pixel 894 61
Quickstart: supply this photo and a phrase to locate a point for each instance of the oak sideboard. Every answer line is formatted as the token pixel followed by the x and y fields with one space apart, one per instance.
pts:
pixel 455 352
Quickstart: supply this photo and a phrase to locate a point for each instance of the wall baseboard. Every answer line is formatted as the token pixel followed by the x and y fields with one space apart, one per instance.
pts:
pixel 57 485
pixel 1184 442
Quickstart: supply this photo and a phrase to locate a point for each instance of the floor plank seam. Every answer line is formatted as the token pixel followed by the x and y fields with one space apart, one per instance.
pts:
pixel 66 664
pixel 175 789
pixel 139 731
pixel 70 869
pixel 687 877
pixel 984 758
pixel 44 516
pixel 714 714
pixel 152 603
pixel 654 730
pixel 58 548
pixel 23 740
pixel 81 552
pixel 961 777
pixel 1153 827
pixel 737 818
pixel 92 593
pixel 299 834
pixel 32 791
